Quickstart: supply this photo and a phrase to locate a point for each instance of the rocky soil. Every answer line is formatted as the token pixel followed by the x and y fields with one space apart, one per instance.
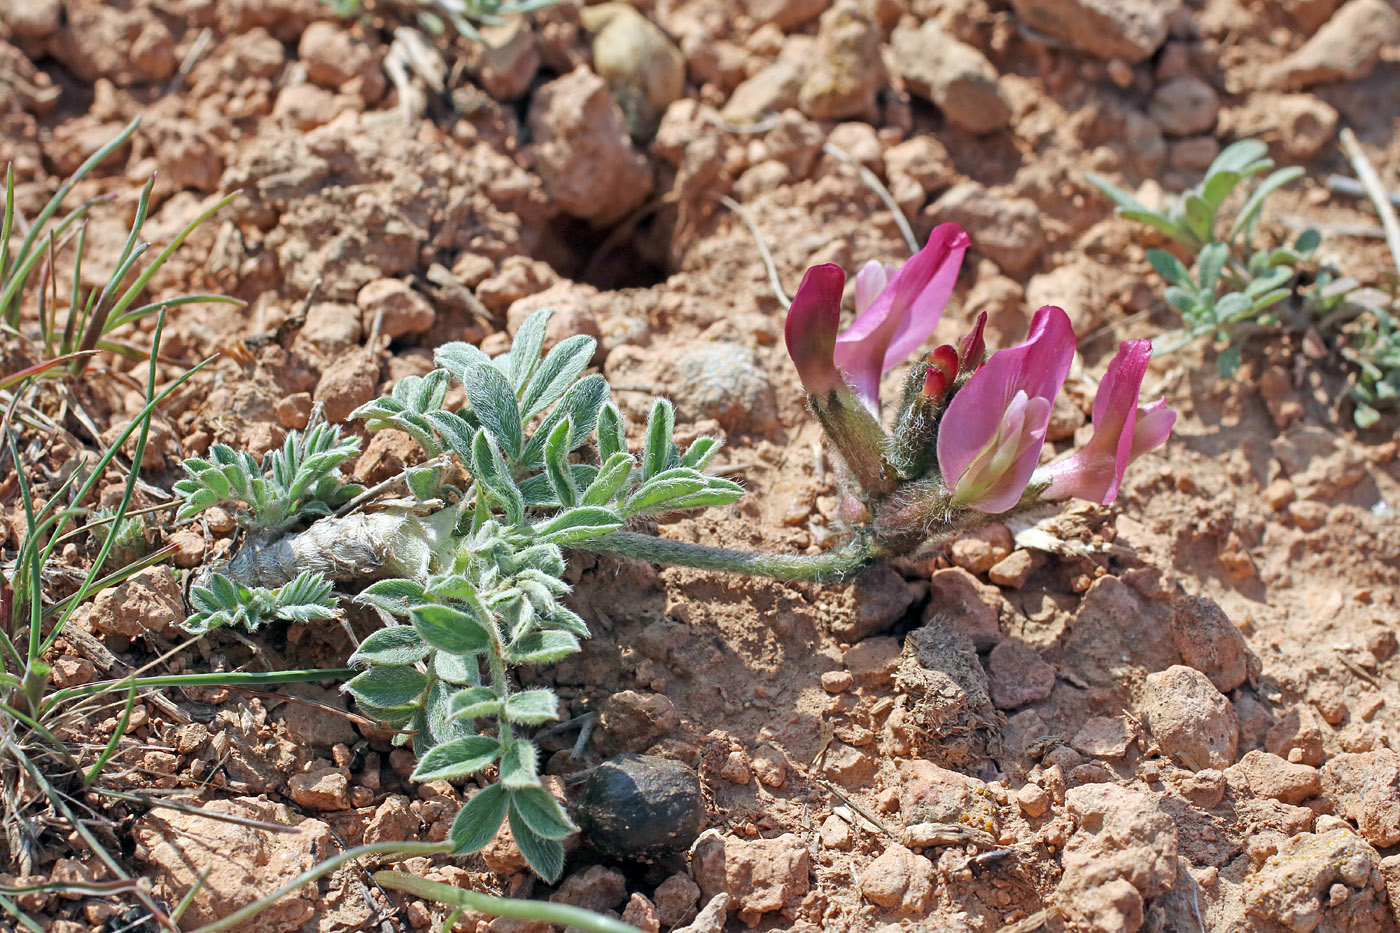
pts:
pixel 1177 714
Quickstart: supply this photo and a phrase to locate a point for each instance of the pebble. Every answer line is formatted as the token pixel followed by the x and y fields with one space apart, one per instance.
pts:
pixel 1007 228
pixel 723 381
pixel 899 880
pixel 759 875
pixel 835 833
pixel 1290 888
pixel 953 76
pixel 293 413
pixel 643 67
pixel 735 769
pixel 1104 737
pixel 1018 675
pixel 978 551
pixel 837 681
pixel 1306 125
pixel 1297 737
pixel 505 64
pixel 845 69
pixel 1346 48
pixel 597 888
pixel 147 601
pixel 880 598
pixel 1123 852
pixel 1013 570
pixel 189 548
pixel 1365 788
pixel 873 662
pixel 969 604
pixel 321 789
pixel 1189 718
pixel 784 14
pixel 634 720
pixel 849 766
pixel 769 765
pixel 582 151
pixel 1184 106
pixel 1208 641
pixel 676 899
pixel 1263 774
pixel 642 914
pixel 347 383
pixel 1128 29
pixel 392 821
pixel 404 310
pixel 1033 800
pixel 712 918
pixel 641 807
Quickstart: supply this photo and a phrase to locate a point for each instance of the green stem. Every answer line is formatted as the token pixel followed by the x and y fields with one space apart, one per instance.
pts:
pixel 559 915
pixel 833 566
pixel 495 656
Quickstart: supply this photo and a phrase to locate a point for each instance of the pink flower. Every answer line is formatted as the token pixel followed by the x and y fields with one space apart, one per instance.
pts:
pixel 990 437
pixel 1123 431
pixel 810 330
pixel 896 311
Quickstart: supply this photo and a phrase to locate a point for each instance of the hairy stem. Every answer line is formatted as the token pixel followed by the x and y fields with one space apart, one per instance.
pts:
pixel 833 566
pixel 539 911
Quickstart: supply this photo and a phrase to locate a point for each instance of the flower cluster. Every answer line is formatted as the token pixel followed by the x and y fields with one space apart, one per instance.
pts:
pixel 969 431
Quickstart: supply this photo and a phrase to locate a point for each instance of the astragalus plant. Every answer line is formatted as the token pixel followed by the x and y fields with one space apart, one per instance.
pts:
pixel 469 578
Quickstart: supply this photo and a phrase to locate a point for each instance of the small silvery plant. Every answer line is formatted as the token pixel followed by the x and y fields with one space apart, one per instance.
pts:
pixel 469 580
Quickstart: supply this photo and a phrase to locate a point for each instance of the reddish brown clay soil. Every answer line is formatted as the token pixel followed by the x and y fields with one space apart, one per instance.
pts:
pixel 1175 714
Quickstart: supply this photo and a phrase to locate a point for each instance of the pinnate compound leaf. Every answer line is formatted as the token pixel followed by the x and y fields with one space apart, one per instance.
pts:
pixel 612 432
pixel 388 686
pixel 457 758
pixel 395 597
pixel 556 464
pixel 491 474
pixel 542 647
pixel 450 630
pixel 661 424
pixel 458 357
pixel 561 368
pixel 588 521
pixel 541 812
pixel 459 669
pixel 546 856
pixel 397 644
pixel 525 348
pixel 479 819
pixel 474 702
pixel 493 401
pixel 520 765
pixel 700 452
pixel 581 405
pixel 611 477
pixel 532 707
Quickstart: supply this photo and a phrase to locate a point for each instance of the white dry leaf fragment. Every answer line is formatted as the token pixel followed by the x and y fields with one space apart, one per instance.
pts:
pixel 357 547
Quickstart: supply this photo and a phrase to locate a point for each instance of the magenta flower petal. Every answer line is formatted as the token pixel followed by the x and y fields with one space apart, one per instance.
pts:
pixel 990 437
pixel 901 317
pixel 1154 425
pixel 871 281
pixel 1122 431
pixel 810 331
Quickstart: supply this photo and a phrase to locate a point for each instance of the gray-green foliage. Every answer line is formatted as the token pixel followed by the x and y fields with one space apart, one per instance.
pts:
pixel 434 16
pixel 549 464
pixel 297 481
pixel 226 602
pixel 1228 283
